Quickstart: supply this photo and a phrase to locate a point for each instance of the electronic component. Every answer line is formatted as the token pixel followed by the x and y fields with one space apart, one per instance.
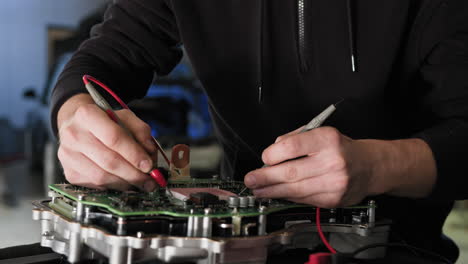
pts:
pixel 180 162
pixel 194 220
pixel 204 198
pixel 207 223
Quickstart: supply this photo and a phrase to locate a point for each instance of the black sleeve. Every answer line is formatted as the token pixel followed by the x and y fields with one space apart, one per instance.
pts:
pixel 136 39
pixel 445 73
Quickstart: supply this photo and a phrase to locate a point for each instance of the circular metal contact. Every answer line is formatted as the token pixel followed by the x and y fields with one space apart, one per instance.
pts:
pixel 233 201
pixel 243 201
pixel 251 201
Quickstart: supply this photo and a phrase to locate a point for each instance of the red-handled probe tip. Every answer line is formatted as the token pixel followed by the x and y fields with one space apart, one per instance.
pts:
pixel 158 177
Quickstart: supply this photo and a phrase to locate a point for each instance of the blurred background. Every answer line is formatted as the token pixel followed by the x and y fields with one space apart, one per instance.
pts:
pixel 38 38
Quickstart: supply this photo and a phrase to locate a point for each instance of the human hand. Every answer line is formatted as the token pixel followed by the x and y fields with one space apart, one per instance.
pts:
pixel 333 170
pixel 96 152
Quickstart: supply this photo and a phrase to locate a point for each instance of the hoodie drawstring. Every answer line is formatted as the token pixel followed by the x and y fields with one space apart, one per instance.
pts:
pixel 260 52
pixel 352 49
pixel 301 40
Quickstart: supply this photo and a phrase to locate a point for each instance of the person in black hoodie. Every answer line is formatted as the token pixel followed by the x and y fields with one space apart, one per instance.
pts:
pixel 268 67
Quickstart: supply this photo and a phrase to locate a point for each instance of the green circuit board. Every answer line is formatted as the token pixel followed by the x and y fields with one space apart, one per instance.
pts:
pixel 132 203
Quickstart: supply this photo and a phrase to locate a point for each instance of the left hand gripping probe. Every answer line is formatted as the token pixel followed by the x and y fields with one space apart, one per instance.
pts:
pixel 156 174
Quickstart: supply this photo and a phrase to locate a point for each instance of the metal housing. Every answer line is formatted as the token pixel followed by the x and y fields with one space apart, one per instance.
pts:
pixel 81 242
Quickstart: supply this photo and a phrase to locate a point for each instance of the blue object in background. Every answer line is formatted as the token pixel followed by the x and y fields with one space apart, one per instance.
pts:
pixel 199 121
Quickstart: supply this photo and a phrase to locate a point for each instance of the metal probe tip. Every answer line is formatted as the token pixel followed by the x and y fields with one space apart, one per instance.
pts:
pixel 169 192
pixel 339 102
pixel 243 190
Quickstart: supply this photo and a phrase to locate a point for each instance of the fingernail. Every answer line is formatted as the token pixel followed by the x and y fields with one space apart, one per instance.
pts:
pixel 145 165
pixel 250 181
pixel 149 186
pixel 151 145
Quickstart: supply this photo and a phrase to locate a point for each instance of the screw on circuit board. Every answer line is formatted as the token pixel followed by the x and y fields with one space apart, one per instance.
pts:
pixel 52 195
pixel 262 221
pixel 251 201
pixel 233 201
pixel 206 225
pixel 235 211
pixel 332 216
pixel 363 216
pixel 190 223
pixel 120 226
pixel 243 201
pixel 80 208
pixel 87 215
pixel 371 213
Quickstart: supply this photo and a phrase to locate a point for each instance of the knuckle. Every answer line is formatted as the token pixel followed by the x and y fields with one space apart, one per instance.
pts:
pixel 113 138
pixel 99 178
pixel 338 163
pixel 111 161
pixel 332 135
pixel 84 111
pixel 135 154
pixel 124 113
pixel 291 145
pixel 266 156
pixel 291 174
pixel 144 128
pixel 68 134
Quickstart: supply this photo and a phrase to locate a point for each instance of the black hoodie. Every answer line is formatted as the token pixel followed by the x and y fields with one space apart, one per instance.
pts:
pixel 268 66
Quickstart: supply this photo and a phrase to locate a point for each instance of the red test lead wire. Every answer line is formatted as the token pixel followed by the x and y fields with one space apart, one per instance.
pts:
pixel 320 232
pixel 112 115
pixel 87 78
pixel 321 258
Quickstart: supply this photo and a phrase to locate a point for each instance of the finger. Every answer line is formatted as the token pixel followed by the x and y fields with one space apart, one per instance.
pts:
pixel 288 172
pixel 114 185
pixel 322 200
pixel 113 163
pixel 302 144
pixel 81 171
pixel 114 137
pixel 310 186
pixel 295 132
pixel 154 158
pixel 139 129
